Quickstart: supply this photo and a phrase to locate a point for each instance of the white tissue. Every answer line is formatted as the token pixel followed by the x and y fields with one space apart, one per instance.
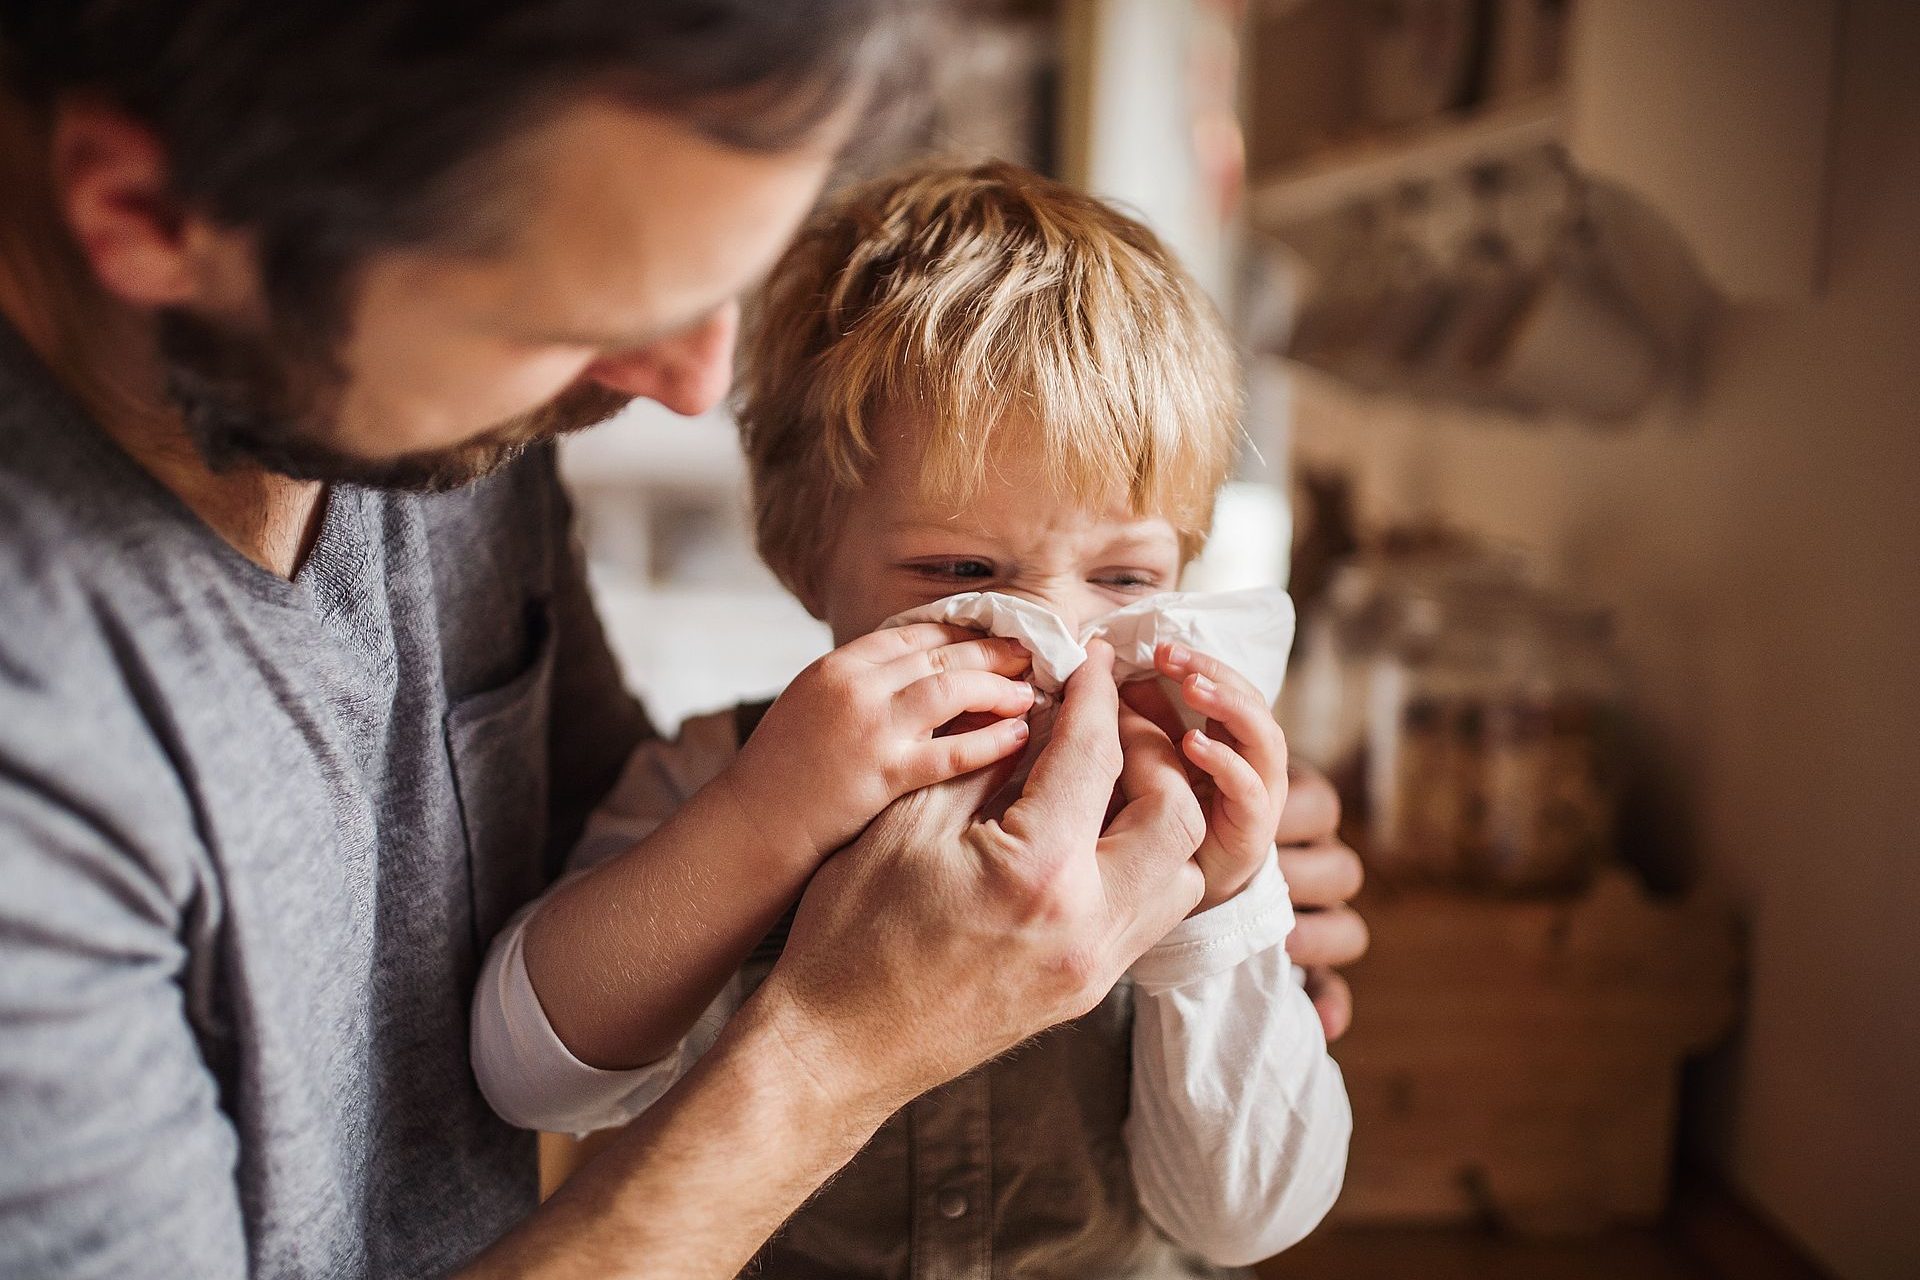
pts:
pixel 1250 631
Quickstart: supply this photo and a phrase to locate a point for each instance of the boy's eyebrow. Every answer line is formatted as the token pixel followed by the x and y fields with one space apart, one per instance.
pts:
pixel 1126 539
pixel 1133 537
pixel 936 526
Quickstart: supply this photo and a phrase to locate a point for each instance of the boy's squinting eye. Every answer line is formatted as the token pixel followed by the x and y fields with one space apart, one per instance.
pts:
pixel 1139 580
pixel 954 568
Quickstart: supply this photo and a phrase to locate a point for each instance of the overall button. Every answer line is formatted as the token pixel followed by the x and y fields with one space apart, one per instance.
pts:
pixel 951 1204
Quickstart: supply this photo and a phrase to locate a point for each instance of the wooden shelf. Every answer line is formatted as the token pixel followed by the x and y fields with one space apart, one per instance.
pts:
pixel 1713 117
pixel 1431 153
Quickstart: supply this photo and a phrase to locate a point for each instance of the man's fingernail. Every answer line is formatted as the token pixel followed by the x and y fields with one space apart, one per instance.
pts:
pixel 1020 730
pixel 1202 685
pixel 1178 653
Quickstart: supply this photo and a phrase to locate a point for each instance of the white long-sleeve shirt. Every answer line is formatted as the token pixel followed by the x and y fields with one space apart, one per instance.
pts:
pixel 1238 1123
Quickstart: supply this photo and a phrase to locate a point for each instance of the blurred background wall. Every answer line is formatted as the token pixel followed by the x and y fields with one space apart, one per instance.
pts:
pixel 1759 544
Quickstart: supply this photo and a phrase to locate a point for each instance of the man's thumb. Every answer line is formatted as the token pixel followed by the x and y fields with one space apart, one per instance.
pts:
pixel 985 793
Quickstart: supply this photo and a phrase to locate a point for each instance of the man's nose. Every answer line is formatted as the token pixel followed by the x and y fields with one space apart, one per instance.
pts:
pixel 688 373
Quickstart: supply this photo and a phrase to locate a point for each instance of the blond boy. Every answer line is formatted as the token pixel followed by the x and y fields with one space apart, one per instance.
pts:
pixel 960 379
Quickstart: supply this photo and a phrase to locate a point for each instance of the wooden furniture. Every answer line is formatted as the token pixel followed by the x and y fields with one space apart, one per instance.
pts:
pixel 1517 1063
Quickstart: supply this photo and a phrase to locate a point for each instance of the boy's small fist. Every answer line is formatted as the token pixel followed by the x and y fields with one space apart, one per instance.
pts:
pixel 859 728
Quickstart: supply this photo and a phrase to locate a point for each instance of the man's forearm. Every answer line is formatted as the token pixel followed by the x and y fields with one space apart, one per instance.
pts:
pixel 695 1185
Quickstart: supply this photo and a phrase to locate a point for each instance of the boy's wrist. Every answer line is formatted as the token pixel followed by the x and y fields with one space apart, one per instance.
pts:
pixel 761 816
pixel 1228 891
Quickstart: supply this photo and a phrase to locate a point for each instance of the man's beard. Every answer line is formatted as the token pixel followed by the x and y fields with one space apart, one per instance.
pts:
pixel 249 401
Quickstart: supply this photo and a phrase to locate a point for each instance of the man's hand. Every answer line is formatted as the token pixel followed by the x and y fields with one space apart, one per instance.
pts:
pixel 1322 875
pixel 855 731
pixel 941 938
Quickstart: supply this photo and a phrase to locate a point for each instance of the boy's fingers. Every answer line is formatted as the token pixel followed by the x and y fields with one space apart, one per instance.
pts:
pixel 890 643
pixel 1225 689
pixel 1066 794
pixel 1241 712
pixel 933 701
pixel 1177 662
pixel 963 753
pixel 974 652
pixel 1241 789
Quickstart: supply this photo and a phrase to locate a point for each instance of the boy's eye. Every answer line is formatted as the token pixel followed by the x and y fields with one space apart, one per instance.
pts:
pixel 961 568
pixel 1129 580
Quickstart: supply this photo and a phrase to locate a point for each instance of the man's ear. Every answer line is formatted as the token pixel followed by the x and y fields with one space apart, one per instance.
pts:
pixel 110 177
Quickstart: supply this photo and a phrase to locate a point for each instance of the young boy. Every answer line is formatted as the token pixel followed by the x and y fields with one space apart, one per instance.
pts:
pixel 959 380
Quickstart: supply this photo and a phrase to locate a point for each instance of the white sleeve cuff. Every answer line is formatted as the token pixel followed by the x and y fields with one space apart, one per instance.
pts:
pixel 1256 919
pixel 530 1077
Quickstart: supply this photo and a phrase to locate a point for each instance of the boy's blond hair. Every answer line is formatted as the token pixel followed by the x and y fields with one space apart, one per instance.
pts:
pixel 998 307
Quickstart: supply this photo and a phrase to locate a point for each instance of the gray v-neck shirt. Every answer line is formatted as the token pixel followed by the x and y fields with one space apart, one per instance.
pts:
pixel 254 837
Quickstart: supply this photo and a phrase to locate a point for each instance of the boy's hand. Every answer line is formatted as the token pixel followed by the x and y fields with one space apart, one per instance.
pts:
pixel 856 730
pixel 1239 761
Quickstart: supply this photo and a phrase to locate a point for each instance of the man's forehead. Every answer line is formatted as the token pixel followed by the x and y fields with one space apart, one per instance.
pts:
pixel 632 223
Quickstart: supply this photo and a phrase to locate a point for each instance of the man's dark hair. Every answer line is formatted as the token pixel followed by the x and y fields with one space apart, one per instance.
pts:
pixel 332 129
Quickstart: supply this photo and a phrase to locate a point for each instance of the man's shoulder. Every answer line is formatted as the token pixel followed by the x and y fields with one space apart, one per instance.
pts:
pixel 82 771
pixel 72 505
pixel 79 545
pixel 52 541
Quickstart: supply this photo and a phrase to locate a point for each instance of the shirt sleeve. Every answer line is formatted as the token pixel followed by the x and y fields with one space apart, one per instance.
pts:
pixel 118 1160
pixel 530 1077
pixel 1238 1127
pixel 526 1072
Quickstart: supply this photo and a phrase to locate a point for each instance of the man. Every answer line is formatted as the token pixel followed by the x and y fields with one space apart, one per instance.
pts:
pixel 300 690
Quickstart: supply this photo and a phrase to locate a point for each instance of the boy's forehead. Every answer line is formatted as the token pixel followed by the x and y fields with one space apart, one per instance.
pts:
pixel 1008 507
pixel 914 453
pixel 1010 487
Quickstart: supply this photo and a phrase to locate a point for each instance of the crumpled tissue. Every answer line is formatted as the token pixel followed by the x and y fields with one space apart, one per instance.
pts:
pixel 1251 631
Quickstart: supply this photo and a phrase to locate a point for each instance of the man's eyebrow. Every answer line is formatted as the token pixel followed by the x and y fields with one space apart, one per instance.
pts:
pixel 622 340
